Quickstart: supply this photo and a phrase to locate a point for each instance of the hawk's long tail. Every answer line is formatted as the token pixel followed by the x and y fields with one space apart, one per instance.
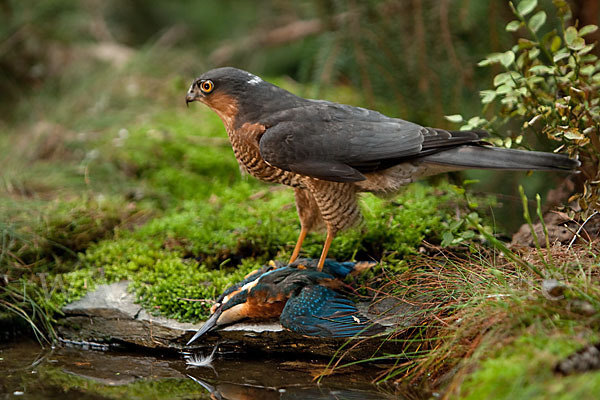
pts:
pixel 487 157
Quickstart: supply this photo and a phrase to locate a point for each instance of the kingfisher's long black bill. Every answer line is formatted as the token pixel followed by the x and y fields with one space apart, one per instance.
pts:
pixel 209 325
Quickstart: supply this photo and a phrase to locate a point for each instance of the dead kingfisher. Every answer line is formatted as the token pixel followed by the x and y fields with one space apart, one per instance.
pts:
pixel 305 300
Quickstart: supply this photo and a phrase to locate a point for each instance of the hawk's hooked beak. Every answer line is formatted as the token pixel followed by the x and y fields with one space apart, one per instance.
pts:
pixel 189 97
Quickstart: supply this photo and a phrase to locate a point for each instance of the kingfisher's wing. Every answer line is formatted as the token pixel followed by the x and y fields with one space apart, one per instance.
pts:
pixel 247 279
pixel 337 269
pixel 319 311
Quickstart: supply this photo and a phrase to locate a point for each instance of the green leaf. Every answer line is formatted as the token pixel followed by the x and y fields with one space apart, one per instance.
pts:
pixel 522 91
pixel 571 35
pixel 456 224
pixel 487 96
pixel 563 8
pixel 519 139
pixel 588 70
pixel 495 57
pixel 526 6
pixel 456 118
pixel 555 45
pixel 534 53
pixel 573 134
pixel 504 89
pixel 533 80
pixel 578 44
pixel 469 234
pixel 541 70
pixel 561 55
pixel 525 44
pixel 504 58
pixel 536 22
pixel 476 121
pixel 589 58
pixel 512 26
pixel 586 30
pixel 447 239
pixel 507 58
pixel 509 77
pixel 521 60
pixel 586 49
pixel 502 78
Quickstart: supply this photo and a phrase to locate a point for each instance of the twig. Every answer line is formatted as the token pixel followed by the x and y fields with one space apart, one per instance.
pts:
pixel 576 235
pixel 202 301
pixel 275 37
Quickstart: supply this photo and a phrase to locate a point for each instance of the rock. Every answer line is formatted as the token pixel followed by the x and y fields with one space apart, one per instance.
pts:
pixel 109 315
pixel 582 307
pixel 560 229
pixel 553 289
pixel 586 359
pixel 107 301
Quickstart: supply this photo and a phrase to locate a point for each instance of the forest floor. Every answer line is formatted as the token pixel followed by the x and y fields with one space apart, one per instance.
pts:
pixel 115 179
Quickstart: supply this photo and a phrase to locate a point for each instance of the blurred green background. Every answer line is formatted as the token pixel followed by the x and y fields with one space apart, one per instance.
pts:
pixel 418 57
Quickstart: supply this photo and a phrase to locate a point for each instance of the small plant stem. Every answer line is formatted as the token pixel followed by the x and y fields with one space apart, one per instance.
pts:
pixel 506 251
pixel 532 33
pixel 530 224
pixel 576 235
pixel 538 209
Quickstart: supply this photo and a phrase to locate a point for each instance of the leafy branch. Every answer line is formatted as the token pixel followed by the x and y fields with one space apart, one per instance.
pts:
pixel 550 85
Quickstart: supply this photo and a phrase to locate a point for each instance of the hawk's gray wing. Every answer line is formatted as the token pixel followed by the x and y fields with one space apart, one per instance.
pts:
pixel 337 142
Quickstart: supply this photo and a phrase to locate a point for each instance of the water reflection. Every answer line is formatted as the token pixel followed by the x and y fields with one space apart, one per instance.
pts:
pixel 232 391
pixel 55 373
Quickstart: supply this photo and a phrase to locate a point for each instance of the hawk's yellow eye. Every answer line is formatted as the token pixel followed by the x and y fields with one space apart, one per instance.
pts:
pixel 207 86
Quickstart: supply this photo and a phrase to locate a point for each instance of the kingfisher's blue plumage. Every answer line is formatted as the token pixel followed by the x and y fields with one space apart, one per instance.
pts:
pixel 332 267
pixel 320 311
pixel 304 299
pixel 248 278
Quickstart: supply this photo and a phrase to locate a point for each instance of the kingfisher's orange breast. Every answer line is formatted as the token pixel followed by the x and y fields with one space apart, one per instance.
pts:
pixel 260 306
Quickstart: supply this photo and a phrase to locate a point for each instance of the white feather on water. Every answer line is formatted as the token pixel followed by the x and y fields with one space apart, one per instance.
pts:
pixel 200 361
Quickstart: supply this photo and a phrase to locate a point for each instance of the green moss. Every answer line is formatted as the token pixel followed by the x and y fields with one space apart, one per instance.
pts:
pixel 174 154
pixel 195 251
pixel 396 227
pixel 524 370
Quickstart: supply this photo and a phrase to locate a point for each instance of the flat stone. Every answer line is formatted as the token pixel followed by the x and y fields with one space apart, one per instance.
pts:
pixel 254 327
pixel 107 301
pixel 109 315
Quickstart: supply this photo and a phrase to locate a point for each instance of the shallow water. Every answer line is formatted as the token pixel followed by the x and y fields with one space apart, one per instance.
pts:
pixel 27 371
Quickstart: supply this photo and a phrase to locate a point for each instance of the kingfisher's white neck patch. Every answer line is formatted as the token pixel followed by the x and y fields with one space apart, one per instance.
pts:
pixel 254 80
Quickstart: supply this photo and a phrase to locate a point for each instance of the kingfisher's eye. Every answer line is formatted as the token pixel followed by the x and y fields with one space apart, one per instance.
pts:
pixel 206 86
